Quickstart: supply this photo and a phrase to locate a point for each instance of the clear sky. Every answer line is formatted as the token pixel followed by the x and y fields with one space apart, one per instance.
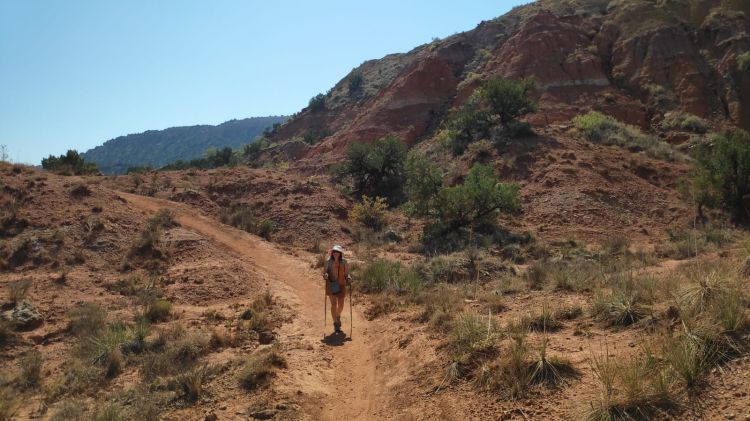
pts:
pixel 76 73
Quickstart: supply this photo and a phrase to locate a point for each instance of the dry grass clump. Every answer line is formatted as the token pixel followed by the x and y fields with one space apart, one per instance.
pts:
pixel 441 304
pixel 384 275
pixel 545 320
pixel 684 243
pixel 518 369
pixel 174 351
pixel 549 370
pixel 259 314
pixel 31 370
pixel 470 340
pixel 260 367
pixel 148 248
pixel 242 216
pixel 577 275
pixel 158 310
pixel 69 410
pixel 11 222
pixel 618 307
pixel 7 333
pixel 110 412
pixel 635 389
pixel 191 382
pixel 222 338
pixel 380 305
pixel 17 290
pixel 87 320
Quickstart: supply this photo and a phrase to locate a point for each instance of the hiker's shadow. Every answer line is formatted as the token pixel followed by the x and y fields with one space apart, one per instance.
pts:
pixel 335 339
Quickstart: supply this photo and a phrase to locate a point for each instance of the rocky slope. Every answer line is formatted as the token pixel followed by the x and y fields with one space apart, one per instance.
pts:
pixel 635 60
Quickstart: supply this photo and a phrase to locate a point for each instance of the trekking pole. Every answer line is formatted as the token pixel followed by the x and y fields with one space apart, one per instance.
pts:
pixel 351 321
pixel 325 312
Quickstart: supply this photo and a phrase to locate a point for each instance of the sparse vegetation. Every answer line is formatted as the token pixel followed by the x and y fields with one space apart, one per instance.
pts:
pixel 676 120
pixel 743 62
pixel 260 367
pixel 602 129
pixel 473 206
pixel 317 103
pixel 723 171
pixel 424 179
pixel 496 105
pixel 17 290
pixel 384 275
pixel 69 164
pixel 31 369
pixel 192 381
pixel 158 310
pixel 242 216
pixel 370 213
pixel 377 169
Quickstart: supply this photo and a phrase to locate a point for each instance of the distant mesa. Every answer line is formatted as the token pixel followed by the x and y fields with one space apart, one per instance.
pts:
pixel 156 148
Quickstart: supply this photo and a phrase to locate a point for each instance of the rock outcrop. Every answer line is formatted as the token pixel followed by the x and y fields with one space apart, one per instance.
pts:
pixel 634 60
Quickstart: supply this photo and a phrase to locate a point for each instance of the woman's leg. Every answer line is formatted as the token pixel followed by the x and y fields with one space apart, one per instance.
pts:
pixel 340 308
pixel 334 304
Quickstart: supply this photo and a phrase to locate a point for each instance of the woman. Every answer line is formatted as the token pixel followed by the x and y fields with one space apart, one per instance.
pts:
pixel 336 275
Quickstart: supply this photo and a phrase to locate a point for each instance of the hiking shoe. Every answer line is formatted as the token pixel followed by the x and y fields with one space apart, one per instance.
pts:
pixel 337 327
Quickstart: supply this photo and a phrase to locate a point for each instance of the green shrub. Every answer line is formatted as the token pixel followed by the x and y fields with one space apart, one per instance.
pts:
pixel 473 204
pixel 497 102
pixel 599 128
pixel 69 164
pixel 158 310
pixel 355 83
pixel 384 275
pixel 723 171
pixel 252 151
pixel 242 216
pixel 370 213
pixel 317 103
pixel 676 120
pixel 265 228
pixel 743 62
pixel 424 179
pixel 377 169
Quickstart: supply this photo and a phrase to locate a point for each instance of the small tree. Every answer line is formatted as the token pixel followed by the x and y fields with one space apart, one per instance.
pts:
pixel 498 102
pixel 508 99
pixel 723 174
pixel 423 181
pixel 477 201
pixel 252 151
pixel 70 163
pixel 317 103
pixel 355 83
pixel 377 169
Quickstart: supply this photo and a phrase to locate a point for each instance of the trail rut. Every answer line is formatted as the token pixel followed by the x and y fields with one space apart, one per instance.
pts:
pixel 343 386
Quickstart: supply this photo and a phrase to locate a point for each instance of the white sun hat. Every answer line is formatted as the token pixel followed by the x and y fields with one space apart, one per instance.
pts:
pixel 338 248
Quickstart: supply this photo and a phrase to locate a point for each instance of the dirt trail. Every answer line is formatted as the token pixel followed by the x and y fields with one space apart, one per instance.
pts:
pixel 347 385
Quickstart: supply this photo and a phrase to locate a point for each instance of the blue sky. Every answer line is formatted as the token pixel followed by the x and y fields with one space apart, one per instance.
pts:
pixel 76 73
